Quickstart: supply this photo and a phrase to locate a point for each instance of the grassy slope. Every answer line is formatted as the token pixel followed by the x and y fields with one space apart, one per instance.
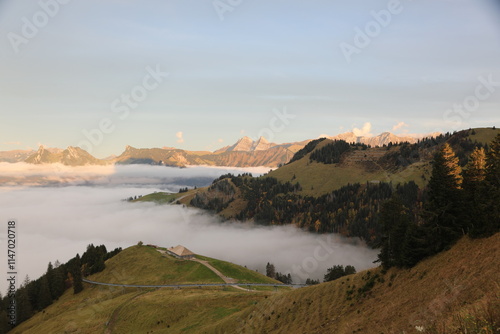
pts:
pixel 240 273
pixel 159 197
pixel 318 179
pixel 131 310
pixel 145 265
pixel 484 135
pixel 116 310
pixel 429 295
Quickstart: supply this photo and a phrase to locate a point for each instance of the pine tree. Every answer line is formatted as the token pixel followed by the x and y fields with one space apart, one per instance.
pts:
pixel 334 273
pixel 270 270
pixel 444 204
pixel 57 285
pixel 492 191
pixel 493 162
pixel 4 321
pixel 77 275
pixel 24 308
pixel 394 220
pixel 98 265
pixel 475 171
pixel 474 208
pixel 44 295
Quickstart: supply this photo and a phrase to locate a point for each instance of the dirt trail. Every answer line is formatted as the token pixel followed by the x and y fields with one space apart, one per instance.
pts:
pixel 218 273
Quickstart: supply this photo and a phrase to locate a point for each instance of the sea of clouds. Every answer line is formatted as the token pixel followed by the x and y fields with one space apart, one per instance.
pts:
pixel 59 210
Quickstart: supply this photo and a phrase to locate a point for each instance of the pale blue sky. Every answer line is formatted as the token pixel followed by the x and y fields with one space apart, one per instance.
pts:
pixel 227 78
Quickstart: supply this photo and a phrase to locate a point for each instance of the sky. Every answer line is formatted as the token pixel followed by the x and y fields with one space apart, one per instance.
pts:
pixel 198 75
pixel 86 206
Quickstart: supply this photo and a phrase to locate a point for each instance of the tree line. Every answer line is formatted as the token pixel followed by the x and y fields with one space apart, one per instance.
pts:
pixel 333 273
pixel 35 295
pixel 460 201
pixel 351 210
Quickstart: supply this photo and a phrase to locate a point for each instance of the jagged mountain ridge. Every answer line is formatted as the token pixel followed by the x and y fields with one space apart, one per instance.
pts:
pixel 247 144
pixel 376 141
pixel 246 152
pixel 271 157
pixel 72 156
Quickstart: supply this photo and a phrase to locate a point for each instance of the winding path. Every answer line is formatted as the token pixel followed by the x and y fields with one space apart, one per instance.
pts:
pixel 218 273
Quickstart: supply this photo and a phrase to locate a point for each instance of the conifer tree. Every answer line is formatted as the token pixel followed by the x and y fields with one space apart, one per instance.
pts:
pixel 444 204
pixel 24 308
pixel 394 220
pixel 77 275
pixel 493 162
pixel 270 270
pixel 4 321
pixel 57 284
pixel 475 171
pixel 44 296
pixel 474 206
pixel 492 191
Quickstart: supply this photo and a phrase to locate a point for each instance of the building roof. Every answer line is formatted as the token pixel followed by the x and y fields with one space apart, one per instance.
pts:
pixel 180 251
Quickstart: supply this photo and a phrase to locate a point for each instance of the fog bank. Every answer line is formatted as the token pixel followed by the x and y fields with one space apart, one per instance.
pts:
pixel 55 223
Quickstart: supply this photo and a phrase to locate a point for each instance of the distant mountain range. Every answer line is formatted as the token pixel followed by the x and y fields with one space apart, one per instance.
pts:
pixel 72 156
pixel 246 152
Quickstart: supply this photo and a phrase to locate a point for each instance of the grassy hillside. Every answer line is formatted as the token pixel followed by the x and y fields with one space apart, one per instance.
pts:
pixel 457 291
pixel 318 179
pixel 100 309
pixel 145 265
pixel 237 272
pixel 159 197
pixel 483 135
pixel 448 293
pixel 361 166
pixel 116 310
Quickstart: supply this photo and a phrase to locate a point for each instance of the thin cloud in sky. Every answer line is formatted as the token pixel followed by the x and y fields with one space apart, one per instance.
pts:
pixel 180 137
pixel 364 131
pixel 400 125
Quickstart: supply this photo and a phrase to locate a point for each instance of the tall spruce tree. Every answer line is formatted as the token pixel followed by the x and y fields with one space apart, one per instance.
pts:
pixel 394 221
pixel 77 275
pixel 57 286
pixel 474 191
pixel 492 191
pixel 44 295
pixel 444 204
pixel 24 308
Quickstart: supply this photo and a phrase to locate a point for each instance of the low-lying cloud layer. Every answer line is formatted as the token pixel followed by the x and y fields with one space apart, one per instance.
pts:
pixel 58 222
pixel 139 175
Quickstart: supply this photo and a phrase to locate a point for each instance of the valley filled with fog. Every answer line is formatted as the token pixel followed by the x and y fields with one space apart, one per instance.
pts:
pixel 60 210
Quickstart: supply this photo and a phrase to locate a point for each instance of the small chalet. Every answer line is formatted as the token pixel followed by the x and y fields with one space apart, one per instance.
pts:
pixel 180 252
